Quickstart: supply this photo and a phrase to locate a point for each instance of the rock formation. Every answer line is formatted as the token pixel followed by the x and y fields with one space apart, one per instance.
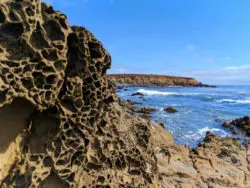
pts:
pixel 237 126
pixel 153 80
pixel 170 110
pixel 61 124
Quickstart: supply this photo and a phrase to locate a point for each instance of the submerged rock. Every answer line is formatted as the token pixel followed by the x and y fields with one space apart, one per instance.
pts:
pixel 63 126
pixel 147 110
pixel 137 94
pixel 133 102
pixel 170 110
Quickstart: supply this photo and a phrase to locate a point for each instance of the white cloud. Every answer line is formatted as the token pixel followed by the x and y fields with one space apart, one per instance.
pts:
pixel 239 68
pixel 228 75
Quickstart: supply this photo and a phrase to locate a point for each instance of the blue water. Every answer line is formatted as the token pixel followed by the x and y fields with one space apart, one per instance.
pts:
pixel 199 109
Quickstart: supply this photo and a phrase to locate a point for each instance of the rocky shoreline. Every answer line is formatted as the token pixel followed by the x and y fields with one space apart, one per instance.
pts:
pixel 239 126
pixel 62 124
pixel 215 162
pixel 150 80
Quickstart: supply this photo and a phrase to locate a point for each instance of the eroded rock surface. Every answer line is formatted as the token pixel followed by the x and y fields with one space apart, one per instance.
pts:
pixel 61 124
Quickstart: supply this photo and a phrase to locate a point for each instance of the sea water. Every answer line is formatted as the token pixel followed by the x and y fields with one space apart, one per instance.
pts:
pixel 200 109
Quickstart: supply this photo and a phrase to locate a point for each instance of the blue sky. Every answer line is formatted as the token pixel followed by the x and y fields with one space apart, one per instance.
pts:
pixel 205 39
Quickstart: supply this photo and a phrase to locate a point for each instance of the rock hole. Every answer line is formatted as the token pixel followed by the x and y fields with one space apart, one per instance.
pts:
pixel 37 39
pixel 3 97
pixel 53 31
pixel 27 83
pixel 45 126
pixel 47 162
pixel 29 11
pixel 73 52
pixel 53 181
pixel 51 79
pixel 63 23
pixel 95 50
pixel 59 65
pixel 48 95
pixel 13 120
pixel 50 55
pixel 68 104
pixel 39 79
pixel 2 17
pixel 34 158
pixel 14 30
pixel 61 162
pixel 101 179
pixel 13 16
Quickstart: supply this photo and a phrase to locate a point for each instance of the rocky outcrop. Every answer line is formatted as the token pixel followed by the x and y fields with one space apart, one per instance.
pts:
pixel 217 162
pixel 237 126
pixel 62 126
pixel 137 94
pixel 153 80
pixel 170 110
pixel 144 112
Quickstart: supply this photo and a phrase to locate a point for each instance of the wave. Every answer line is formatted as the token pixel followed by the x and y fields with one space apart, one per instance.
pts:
pixel 245 101
pixel 200 134
pixel 205 129
pixel 155 92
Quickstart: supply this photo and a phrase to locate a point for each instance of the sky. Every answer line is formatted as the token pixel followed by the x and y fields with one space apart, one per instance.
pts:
pixel 205 39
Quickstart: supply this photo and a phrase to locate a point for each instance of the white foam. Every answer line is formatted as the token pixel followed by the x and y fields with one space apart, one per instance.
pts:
pixel 155 92
pixel 200 134
pixel 246 101
pixel 205 129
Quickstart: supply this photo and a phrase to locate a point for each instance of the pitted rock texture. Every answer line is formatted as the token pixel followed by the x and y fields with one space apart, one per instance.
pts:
pixel 61 124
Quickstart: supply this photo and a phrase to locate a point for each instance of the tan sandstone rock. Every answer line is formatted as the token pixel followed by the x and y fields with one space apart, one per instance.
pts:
pixel 61 124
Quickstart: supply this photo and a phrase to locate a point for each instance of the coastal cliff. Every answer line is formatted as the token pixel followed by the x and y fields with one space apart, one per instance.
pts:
pixel 62 125
pixel 152 80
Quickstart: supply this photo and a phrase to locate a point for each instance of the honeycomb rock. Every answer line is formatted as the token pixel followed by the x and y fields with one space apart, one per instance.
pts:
pixel 61 124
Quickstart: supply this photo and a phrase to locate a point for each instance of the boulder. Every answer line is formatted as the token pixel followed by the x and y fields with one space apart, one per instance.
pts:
pixel 170 110
pixel 137 94
pixel 133 102
pixel 242 124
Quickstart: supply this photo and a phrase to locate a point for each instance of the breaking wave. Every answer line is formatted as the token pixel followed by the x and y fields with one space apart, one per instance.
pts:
pixel 165 93
pixel 246 101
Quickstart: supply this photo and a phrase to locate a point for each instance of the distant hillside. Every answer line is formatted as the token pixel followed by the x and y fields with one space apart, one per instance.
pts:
pixel 153 80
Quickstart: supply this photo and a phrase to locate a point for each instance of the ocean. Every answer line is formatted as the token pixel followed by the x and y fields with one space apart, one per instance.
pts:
pixel 200 109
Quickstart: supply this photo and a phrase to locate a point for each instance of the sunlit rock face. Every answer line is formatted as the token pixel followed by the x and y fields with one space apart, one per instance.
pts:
pixel 61 124
pixel 153 80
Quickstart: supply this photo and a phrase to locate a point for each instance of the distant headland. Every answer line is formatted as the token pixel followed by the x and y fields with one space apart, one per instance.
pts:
pixel 153 80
